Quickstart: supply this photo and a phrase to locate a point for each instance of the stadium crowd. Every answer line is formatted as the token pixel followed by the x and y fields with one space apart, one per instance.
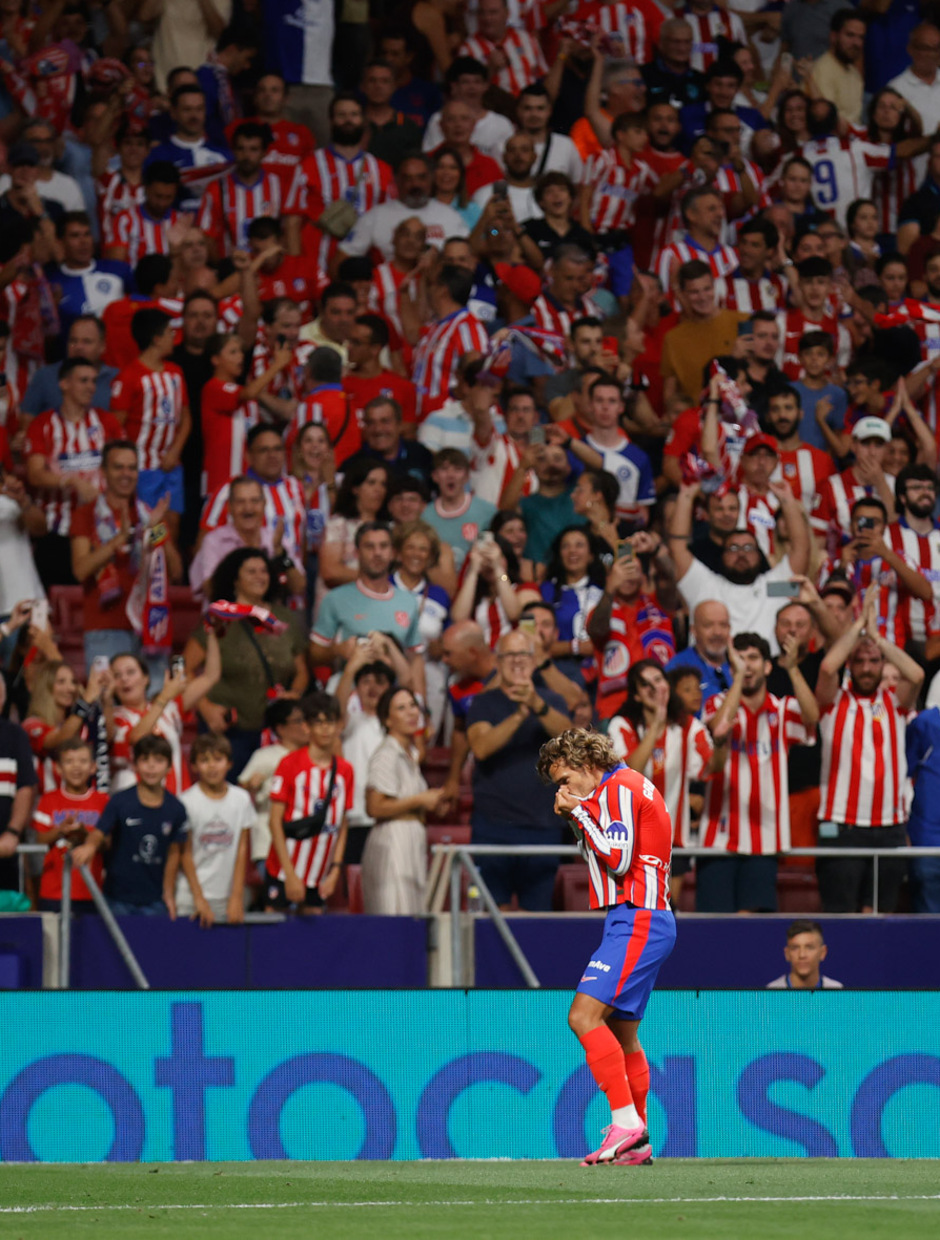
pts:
pixel 383 394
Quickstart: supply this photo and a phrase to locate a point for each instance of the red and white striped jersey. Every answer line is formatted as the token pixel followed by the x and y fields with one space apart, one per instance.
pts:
pixel 44 759
pixel 72 449
pixel 839 492
pixel 625 836
pixel 326 177
pixel 492 465
pixel 23 350
pixel 747 809
pixel 115 195
pixel 758 513
pixel 864 766
pixel 525 63
pixel 229 206
pixel 682 754
pixel 298 784
pixel 889 189
pixel 288 383
pixel 169 726
pixel 806 469
pixel 793 324
pixel 283 500
pixel 892 614
pixel 551 316
pixel 729 182
pixel 438 353
pixel 636 21
pixel 707 29
pixel 844 169
pixel 386 293
pixel 226 421
pixel 139 232
pixel 722 259
pixel 921 551
pixel 615 189
pixel 152 402
pixel 737 292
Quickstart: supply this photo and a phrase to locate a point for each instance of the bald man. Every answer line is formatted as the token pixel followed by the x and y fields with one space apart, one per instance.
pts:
pixel 711 635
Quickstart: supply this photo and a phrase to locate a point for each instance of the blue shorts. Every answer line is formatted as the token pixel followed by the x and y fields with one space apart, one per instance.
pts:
pixel 623 970
pixel 153 484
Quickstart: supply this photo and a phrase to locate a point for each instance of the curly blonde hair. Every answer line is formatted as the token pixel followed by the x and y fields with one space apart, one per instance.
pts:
pixel 578 747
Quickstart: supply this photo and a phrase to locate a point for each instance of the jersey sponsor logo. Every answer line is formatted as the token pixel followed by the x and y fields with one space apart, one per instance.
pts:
pixel 599 964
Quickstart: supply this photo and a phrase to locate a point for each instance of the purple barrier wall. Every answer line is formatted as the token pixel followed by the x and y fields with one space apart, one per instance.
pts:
pixel 20 953
pixel 717 953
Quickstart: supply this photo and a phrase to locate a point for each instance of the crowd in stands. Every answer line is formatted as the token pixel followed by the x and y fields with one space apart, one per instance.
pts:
pixel 390 389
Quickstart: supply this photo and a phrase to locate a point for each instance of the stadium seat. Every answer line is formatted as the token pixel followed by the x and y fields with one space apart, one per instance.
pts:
pixel 798 892
pixel 571 888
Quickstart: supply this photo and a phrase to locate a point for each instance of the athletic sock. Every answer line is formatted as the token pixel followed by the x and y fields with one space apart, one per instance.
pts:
pixel 638 1074
pixel 605 1059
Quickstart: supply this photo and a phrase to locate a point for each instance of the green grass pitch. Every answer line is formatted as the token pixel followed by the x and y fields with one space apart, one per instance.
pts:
pixel 709 1200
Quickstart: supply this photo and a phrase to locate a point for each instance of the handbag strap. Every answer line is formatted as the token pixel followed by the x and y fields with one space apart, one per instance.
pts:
pixel 544 160
pixel 249 629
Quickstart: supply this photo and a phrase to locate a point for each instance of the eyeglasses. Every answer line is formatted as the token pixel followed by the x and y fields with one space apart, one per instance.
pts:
pixel 740 548
pixel 518 656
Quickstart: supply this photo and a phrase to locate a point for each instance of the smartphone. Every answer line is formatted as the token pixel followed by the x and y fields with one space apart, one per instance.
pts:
pixel 865 523
pixel 500 189
pixel 282 341
pixel 177 666
pixel 486 538
pixel 537 434
pixel 624 550
pixel 100 663
pixel 40 613
pixel 783 589
pixel 527 625
pixel 746 327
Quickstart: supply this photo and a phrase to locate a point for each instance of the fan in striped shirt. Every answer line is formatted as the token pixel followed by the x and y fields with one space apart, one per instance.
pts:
pixel 248 193
pixel 864 767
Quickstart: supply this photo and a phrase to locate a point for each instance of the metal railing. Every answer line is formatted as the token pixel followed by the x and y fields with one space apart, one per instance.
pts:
pixel 451 861
pixel 65 915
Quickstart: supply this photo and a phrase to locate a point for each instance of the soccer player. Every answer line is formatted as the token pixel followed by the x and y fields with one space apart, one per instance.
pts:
pixel 624 833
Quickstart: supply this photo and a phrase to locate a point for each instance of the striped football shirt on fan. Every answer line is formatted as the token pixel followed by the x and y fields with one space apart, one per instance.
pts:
pixel 747 808
pixel 707 29
pixel 283 499
pixel 298 784
pixel 326 177
pixel 229 206
pixel 524 65
pixel 864 766
pixel 139 232
pixel 615 189
pixel 680 755
pixel 438 353
pixel 71 448
pixel 637 22
pixel 152 402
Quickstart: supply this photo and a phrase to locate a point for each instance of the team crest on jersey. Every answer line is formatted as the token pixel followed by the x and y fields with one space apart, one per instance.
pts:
pixel 772 718
pixel 469 531
pixel 616 659
pixel 298 285
pixel 789 470
pixel 401 618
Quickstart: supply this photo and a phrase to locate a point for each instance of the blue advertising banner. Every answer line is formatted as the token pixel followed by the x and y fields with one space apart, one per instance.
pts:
pixel 441 1074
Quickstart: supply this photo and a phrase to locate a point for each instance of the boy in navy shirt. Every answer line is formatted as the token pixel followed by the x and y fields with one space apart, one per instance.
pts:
pixel 143 827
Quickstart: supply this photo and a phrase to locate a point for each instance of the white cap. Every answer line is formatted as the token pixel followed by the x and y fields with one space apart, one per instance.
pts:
pixel 872 428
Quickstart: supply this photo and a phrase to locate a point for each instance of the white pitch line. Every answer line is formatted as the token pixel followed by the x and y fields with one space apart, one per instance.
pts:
pixel 535 1201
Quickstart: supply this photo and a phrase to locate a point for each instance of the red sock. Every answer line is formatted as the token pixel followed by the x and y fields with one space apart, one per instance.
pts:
pixel 638 1074
pixel 605 1059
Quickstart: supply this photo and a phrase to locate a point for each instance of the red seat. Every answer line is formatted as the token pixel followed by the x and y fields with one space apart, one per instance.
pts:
pixel 571 888
pixel 798 892
pixel 65 611
pixel 186 613
pixel 354 888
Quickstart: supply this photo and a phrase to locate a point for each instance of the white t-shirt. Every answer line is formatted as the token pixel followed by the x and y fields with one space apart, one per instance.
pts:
pixel 18 579
pixel 521 199
pixel 377 227
pixel 563 156
pixel 749 608
pixel 215 827
pixel 362 736
pixel 264 762
pixel 59 188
